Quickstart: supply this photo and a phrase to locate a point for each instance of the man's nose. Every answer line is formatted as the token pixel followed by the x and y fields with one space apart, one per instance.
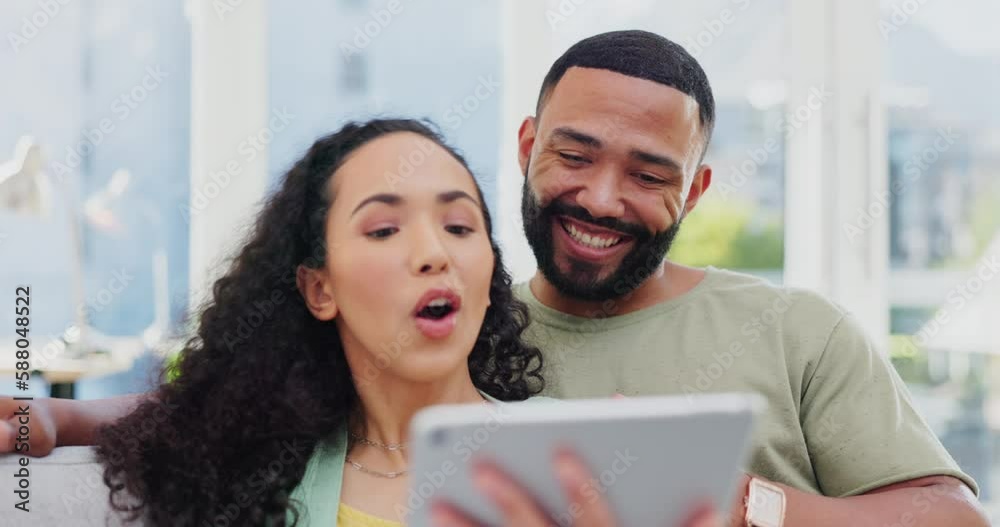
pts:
pixel 601 196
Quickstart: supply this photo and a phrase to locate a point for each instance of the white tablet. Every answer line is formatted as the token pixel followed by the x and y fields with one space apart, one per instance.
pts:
pixel 654 458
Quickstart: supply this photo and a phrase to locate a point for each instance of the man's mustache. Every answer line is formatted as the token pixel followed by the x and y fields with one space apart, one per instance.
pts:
pixel 557 208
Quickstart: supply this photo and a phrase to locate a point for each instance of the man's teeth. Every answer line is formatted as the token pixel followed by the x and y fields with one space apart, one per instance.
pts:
pixel 597 242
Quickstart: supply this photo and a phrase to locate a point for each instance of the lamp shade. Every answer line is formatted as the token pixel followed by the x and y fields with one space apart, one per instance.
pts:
pixel 24 189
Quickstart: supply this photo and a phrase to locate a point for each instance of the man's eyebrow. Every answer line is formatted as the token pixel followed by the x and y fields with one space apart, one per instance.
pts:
pixel 570 134
pixel 396 199
pixel 657 159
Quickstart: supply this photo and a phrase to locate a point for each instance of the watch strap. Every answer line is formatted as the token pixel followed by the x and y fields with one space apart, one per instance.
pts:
pixel 765 504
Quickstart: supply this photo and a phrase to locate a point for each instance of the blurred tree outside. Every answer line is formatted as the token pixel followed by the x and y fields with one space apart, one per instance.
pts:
pixel 984 220
pixel 983 225
pixel 732 234
pixel 910 360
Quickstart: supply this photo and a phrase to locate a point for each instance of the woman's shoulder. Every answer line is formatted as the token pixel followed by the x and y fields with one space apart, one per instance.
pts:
pixel 322 479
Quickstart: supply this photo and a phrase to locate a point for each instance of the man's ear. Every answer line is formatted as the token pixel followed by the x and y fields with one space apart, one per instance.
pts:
pixel 316 291
pixel 525 141
pixel 702 180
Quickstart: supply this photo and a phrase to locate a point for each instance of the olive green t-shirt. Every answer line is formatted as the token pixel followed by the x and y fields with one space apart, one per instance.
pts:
pixel 839 420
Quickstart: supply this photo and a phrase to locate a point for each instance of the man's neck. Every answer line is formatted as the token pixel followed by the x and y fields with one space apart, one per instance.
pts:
pixel 668 282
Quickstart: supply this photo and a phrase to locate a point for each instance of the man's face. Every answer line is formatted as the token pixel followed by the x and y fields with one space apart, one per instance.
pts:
pixel 611 168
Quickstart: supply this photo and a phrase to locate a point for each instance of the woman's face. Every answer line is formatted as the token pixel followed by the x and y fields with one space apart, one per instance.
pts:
pixel 409 261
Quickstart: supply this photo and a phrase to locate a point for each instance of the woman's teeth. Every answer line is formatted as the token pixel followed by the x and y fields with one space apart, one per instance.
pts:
pixel 595 241
pixel 435 309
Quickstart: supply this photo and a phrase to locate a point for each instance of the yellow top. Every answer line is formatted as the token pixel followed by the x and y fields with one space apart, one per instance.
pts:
pixel 348 516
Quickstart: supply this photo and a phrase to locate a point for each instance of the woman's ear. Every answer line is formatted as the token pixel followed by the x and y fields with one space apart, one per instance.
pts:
pixel 317 292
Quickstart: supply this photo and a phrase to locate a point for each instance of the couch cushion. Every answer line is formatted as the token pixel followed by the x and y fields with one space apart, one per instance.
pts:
pixel 66 489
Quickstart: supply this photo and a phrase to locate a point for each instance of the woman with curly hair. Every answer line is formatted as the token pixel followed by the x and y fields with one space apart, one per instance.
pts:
pixel 362 296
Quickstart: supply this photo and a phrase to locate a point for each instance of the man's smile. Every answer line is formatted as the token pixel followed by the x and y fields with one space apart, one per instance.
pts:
pixel 589 242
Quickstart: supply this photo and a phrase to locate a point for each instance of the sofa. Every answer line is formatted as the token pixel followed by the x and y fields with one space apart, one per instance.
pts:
pixel 65 488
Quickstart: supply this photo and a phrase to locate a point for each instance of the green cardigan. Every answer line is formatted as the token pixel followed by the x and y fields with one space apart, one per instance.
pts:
pixel 319 491
pixel 318 494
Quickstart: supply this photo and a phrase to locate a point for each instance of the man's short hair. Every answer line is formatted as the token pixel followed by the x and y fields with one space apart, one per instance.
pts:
pixel 643 55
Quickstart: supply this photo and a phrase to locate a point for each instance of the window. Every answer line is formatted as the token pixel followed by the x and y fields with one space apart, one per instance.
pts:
pixel 387 62
pixel 103 89
pixel 354 75
pixel 941 78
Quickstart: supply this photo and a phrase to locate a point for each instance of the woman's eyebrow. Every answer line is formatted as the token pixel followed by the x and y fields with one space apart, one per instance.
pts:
pixel 396 199
pixel 452 195
pixel 388 199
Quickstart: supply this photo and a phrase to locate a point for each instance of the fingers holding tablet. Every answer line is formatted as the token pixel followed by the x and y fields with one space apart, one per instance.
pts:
pixel 704 516
pixel 587 507
pixel 515 504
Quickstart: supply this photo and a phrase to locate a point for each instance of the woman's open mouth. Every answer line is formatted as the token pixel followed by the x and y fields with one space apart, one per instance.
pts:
pixel 437 312
pixel 436 309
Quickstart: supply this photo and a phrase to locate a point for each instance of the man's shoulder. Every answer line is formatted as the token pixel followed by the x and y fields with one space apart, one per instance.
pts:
pixel 522 290
pixel 794 323
pixel 728 299
pixel 742 295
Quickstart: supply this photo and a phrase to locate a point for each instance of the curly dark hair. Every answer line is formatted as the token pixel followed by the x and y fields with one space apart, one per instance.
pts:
pixel 262 375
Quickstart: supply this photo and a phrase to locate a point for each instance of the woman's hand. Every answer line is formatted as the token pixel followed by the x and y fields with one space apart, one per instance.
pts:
pixel 41 421
pixel 588 508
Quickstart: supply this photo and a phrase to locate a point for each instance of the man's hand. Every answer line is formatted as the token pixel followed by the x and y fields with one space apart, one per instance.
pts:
pixel 738 511
pixel 41 421
pixel 63 422
pixel 932 501
pixel 588 508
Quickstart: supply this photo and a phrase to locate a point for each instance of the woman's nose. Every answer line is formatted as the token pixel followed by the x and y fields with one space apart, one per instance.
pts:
pixel 429 254
pixel 433 267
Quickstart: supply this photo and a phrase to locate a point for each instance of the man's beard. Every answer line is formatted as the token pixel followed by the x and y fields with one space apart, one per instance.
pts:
pixel 582 280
